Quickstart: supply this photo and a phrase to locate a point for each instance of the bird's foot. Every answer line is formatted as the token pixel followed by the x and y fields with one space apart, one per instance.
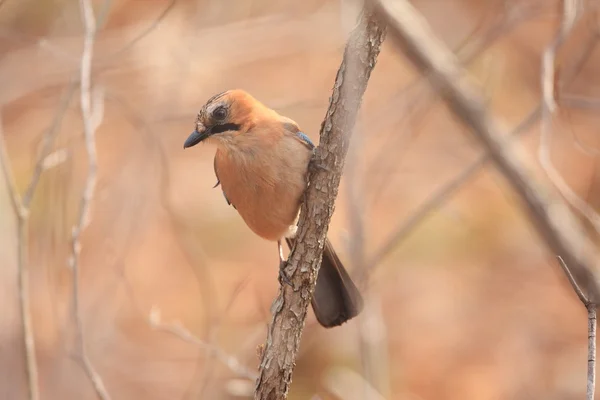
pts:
pixel 283 278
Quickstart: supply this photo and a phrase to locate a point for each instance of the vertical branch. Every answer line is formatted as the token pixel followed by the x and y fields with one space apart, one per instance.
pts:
pixel 22 213
pixel 291 305
pixel 591 369
pixel 89 127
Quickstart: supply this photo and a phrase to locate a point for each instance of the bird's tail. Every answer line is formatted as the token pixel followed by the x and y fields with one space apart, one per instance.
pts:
pixel 336 298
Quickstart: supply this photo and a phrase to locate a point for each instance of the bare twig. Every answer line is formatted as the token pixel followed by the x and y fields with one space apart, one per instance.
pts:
pixel 572 281
pixel 291 305
pixel 145 32
pixel 443 193
pixel 591 369
pixel 417 105
pixel 372 339
pixel 549 107
pixel 578 101
pixel 439 196
pixel 178 330
pixel 89 126
pixel 552 218
pixel 554 221
pixel 22 214
pixel 47 141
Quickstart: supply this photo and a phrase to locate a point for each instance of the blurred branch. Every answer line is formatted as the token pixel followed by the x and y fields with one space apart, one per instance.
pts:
pixel 90 123
pixel 443 193
pixel 344 383
pixel 22 213
pixel 419 104
pixel 372 340
pixel 291 305
pixel 554 221
pixel 176 329
pixel 549 107
pixel 146 31
pixel 440 196
pixel 578 101
pixel 47 141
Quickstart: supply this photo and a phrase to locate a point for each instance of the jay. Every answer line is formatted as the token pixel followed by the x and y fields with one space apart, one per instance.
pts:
pixel 261 163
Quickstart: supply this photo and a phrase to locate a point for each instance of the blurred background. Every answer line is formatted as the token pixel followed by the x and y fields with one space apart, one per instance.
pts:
pixel 175 291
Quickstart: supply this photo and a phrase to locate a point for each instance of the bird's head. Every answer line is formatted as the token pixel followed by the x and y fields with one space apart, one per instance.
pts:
pixel 224 117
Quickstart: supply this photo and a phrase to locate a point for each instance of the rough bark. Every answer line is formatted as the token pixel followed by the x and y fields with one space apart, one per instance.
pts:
pixel 291 305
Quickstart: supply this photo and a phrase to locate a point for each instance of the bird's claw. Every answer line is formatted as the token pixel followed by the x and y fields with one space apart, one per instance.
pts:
pixel 283 278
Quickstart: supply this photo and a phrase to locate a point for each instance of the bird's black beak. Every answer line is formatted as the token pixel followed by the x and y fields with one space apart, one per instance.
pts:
pixel 195 138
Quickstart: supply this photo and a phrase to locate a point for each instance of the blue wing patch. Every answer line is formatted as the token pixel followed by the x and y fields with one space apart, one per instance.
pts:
pixel 305 139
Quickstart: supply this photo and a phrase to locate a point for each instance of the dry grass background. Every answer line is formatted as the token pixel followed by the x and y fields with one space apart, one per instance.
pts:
pixel 469 306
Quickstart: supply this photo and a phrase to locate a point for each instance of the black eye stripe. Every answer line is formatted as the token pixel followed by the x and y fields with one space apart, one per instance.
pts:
pixel 224 128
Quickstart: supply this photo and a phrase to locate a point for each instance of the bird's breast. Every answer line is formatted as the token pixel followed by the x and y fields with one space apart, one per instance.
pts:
pixel 265 184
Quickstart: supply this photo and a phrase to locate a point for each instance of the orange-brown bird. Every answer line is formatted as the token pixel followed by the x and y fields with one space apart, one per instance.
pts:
pixel 261 162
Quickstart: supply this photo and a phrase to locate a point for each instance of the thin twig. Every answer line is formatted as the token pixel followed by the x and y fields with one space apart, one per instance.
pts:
pixel 419 104
pixel 549 108
pixel 372 340
pixel 443 193
pixel 554 221
pixel 591 369
pixel 572 281
pixel 291 305
pixel 178 330
pixel 145 32
pixel 22 214
pixel 47 141
pixel 89 126
pixel 440 196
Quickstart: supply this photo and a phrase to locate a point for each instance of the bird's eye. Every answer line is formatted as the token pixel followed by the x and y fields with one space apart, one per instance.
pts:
pixel 220 113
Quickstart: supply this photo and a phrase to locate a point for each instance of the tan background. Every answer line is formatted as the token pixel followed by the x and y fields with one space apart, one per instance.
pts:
pixel 469 306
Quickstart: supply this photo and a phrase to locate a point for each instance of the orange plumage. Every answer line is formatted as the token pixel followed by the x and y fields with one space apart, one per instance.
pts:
pixel 261 163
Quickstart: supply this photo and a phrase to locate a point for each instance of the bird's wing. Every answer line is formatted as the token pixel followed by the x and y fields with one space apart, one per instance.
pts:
pixel 291 127
pixel 218 182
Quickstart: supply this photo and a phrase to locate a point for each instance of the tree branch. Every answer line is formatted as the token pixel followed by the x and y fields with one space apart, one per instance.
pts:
pixel 549 108
pixel 591 370
pixel 90 123
pixel 291 305
pixel 553 220
pixel 181 332
pixel 22 213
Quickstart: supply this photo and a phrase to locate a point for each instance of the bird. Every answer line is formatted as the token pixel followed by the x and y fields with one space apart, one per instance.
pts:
pixel 261 162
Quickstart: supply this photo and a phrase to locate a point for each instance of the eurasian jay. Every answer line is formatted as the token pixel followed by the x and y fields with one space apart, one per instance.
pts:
pixel 261 162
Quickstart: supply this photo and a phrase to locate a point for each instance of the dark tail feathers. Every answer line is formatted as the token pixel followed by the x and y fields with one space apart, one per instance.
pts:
pixel 336 298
